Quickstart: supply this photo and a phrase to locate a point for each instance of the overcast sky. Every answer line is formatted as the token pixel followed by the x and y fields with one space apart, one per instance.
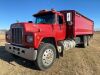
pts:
pixel 22 10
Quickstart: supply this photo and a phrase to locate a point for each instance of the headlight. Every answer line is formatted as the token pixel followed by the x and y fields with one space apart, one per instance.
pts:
pixel 8 35
pixel 29 39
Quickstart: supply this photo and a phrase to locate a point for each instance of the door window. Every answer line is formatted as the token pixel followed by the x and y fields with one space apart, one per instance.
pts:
pixel 60 20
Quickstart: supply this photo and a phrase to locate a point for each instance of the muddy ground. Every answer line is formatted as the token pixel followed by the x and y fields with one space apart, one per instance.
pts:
pixel 76 61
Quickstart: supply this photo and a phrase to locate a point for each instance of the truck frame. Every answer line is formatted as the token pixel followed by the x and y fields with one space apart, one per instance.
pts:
pixel 52 33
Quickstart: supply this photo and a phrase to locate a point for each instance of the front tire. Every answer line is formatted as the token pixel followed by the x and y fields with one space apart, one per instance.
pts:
pixel 46 56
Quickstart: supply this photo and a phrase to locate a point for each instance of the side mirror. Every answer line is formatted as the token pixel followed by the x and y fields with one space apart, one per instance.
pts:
pixel 69 18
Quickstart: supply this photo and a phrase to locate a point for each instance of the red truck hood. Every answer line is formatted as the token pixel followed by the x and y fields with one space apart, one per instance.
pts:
pixel 31 27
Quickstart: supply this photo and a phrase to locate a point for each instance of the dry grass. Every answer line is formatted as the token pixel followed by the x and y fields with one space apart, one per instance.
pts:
pixel 77 61
pixel 2 39
pixel 2 36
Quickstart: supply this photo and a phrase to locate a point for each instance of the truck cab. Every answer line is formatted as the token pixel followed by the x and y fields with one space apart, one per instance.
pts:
pixel 50 24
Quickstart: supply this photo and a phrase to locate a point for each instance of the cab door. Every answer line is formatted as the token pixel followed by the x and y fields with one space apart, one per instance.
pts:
pixel 60 28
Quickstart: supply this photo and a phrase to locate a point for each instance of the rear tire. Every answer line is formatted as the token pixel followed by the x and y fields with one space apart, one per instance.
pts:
pixel 46 56
pixel 88 40
pixel 85 41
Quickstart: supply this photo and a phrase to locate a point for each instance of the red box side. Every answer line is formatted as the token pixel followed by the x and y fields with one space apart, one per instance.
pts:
pixel 83 25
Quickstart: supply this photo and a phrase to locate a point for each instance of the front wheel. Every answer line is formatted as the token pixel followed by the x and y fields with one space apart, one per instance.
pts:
pixel 46 56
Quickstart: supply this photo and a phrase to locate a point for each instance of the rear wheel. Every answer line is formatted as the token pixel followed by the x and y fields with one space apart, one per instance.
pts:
pixel 46 56
pixel 85 41
pixel 88 40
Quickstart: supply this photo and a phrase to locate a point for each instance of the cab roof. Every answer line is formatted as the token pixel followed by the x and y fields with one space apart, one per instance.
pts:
pixel 46 12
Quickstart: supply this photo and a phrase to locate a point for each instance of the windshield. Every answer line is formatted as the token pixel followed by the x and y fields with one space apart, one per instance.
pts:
pixel 45 19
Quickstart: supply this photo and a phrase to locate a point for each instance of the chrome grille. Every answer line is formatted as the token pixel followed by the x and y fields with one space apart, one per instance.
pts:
pixel 17 35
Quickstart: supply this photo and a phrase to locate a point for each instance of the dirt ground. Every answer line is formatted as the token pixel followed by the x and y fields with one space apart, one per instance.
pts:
pixel 76 61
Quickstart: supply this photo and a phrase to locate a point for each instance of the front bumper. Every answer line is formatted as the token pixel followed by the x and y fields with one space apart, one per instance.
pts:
pixel 27 53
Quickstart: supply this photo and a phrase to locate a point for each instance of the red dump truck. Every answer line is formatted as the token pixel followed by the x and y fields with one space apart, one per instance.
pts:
pixel 52 33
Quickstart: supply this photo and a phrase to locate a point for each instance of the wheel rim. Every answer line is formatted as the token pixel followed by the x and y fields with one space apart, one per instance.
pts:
pixel 48 57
